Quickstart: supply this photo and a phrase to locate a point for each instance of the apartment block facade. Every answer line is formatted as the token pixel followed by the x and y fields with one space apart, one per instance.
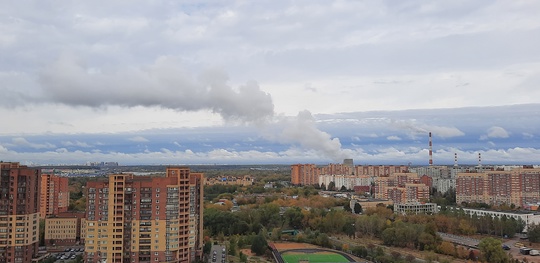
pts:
pixel 304 174
pixel 518 187
pixel 245 180
pixel 345 174
pixel 145 219
pixel 401 188
pixel 54 194
pixel 19 212
pixel 64 229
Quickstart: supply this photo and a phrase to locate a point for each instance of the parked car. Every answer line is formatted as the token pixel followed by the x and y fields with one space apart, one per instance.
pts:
pixel 505 247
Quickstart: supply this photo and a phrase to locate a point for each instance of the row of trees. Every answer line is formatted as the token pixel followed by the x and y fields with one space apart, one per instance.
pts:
pixel 455 221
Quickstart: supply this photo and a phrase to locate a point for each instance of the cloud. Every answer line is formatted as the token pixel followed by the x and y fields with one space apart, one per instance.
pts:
pixel 75 143
pixel 165 83
pixel 393 138
pixel 303 130
pixel 138 139
pixel 416 128
pixel 20 141
pixel 495 132
pixel 528 135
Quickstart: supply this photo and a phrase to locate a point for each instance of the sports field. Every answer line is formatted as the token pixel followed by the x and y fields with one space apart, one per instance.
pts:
pixel 290 257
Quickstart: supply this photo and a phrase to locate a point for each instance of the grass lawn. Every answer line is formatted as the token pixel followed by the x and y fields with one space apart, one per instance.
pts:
pixel 313 257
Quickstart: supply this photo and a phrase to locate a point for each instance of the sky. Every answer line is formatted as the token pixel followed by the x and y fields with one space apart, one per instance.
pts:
pixel 269 82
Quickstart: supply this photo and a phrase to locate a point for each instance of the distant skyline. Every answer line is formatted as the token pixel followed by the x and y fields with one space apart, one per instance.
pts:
pixel 234 82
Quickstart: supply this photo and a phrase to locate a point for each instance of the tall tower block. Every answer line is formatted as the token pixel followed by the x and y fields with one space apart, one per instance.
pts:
pixel 430 150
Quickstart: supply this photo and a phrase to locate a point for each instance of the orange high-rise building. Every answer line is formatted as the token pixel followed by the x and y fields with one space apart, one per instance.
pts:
pixel 19 212
pixel 145 219
pixel 304 174
pixel 54 194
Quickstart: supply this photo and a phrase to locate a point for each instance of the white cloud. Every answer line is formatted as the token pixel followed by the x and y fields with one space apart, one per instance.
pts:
pixel 76 143
pixel 20 141
pixel 393 138
pixel 138 139
pixel 495 132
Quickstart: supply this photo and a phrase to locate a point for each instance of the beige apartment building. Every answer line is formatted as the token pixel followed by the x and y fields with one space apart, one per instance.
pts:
pixel 401 188
pixel 518 187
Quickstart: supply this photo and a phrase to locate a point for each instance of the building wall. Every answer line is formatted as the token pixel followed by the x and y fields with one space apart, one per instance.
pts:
pixel 142 219
pixel 304 174
pixel 401 188
pixel 64 229
pixel 416 208
pixel 19 212
pixel 246 180
pixel 54 197
pixel 61 231
pixel 518 187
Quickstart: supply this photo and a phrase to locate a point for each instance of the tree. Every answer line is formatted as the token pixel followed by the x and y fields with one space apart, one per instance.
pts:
pixel 343 188
pixel 492 250
pixel 233 245
pixel 357 208
pixel 360 251
pixel 243 257
pixel 331 186
pixel 207 247
pixel 294 217
pixel 259 244
pixel 533 232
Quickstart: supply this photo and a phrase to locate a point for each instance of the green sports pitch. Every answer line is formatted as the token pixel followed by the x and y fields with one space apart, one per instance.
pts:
pixel 313 257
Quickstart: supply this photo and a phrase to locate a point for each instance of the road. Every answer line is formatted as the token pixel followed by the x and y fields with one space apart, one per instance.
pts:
pixel 218 254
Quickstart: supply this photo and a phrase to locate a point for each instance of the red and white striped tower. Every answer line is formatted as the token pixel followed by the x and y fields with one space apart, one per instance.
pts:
pixel 455 159
pixel 430 151
pixel 479 160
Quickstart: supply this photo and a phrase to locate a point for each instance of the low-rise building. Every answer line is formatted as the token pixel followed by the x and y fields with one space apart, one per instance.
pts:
pixel 64 229
pixel 527 218
pixel 416 208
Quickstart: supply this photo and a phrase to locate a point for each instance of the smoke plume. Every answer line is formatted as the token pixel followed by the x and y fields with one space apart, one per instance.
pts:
pixel 166 84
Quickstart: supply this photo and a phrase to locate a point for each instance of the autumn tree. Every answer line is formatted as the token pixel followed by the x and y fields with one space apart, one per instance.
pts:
pixel 492 250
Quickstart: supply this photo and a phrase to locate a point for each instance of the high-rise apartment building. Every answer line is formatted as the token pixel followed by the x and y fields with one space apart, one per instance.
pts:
pixel 145 219
pixel 54 194
pixel 304 174
pixel 19 212
pixel 401 188
pixel 380 170
pixel 519 187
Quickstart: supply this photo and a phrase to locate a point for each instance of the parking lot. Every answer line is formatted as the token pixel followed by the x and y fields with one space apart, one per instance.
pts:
pixel 218 254
pixel 69 254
